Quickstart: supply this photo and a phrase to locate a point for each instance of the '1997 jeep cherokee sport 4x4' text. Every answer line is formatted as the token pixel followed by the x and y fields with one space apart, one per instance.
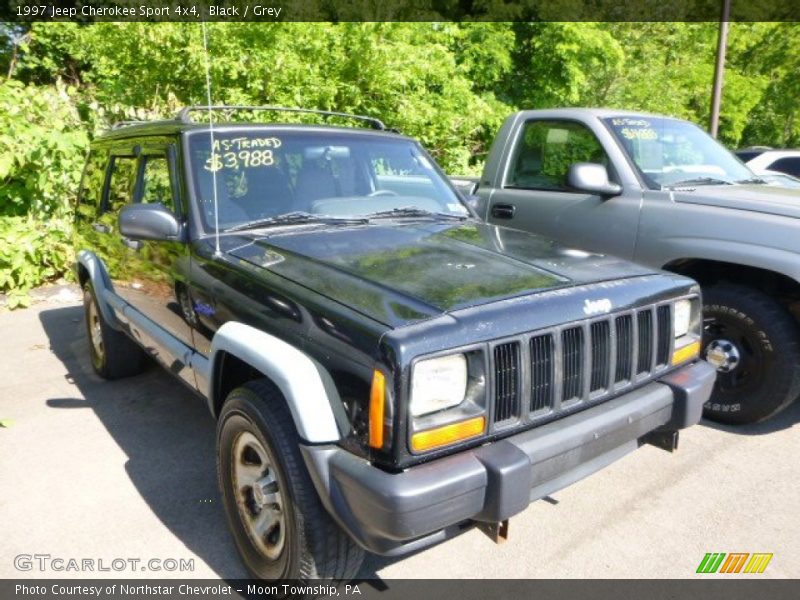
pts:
pixel 385 369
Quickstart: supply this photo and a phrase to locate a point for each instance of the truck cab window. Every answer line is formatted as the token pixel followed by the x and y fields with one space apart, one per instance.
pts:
pixel 547 149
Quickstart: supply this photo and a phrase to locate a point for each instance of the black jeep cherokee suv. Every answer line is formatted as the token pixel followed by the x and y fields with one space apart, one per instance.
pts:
pixel 386 370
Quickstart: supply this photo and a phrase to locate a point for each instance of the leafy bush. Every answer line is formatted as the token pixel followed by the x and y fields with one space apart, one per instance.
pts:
pixel 42 145
pixel 32 253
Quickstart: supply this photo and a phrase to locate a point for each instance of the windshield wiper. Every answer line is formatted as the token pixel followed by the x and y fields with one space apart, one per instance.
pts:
pixel 756 180
pixel 298 218
pixel 698 181
pixel 413 211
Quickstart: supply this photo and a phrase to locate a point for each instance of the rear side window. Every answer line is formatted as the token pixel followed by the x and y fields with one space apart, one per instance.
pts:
pixel 546 151
pixel 120 187
pixel 90 195
pixel 156 186
pixel 787 165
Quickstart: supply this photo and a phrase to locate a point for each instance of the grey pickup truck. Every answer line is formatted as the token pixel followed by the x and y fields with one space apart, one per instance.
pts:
pixel 662 192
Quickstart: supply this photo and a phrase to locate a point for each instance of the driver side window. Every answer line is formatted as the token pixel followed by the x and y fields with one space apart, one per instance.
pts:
pixel 547 149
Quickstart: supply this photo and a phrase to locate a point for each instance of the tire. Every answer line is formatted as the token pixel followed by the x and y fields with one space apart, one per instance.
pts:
pixel 755 344
pixel 114 355
pixel 306 544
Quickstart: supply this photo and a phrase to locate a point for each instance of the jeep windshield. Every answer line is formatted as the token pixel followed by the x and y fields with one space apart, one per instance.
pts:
pixel 277 177
pixel 673 153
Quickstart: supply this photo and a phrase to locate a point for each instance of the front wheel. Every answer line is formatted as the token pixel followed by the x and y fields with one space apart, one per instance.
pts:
pixel 280 527
pixel 754 343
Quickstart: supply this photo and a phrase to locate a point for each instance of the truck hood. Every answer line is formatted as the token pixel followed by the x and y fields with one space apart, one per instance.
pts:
pixel 755 198
pixel 402 272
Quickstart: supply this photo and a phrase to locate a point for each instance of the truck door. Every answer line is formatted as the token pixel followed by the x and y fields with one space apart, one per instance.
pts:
pixel 157 269
pixel 533 194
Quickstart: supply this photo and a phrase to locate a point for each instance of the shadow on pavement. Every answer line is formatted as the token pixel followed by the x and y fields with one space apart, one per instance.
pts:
pixel 168 435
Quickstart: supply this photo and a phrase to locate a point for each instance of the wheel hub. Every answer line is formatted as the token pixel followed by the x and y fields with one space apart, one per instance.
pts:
pixel 723 355
pixel 265 491
pixel 95 331
pixel 258 495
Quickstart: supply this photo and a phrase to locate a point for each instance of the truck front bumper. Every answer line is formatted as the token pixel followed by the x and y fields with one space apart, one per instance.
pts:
pixel 393 514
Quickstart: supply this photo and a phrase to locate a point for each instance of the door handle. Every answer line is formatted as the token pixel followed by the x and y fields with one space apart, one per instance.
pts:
pixel 503 211
pixel 101 228
pixel 132 244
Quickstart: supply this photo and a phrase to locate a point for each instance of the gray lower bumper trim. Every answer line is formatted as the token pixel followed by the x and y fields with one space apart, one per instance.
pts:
pixel 394 513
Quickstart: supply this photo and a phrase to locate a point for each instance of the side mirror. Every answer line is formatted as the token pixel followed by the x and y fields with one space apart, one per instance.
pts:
pixel 593 179
pixel 149 222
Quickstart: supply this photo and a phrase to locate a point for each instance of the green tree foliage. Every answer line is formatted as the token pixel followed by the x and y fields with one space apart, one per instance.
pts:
pixel 448 84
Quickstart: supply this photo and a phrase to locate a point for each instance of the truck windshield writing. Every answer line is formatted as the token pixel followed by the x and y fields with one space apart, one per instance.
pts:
pixel 668 152
pixel 263 174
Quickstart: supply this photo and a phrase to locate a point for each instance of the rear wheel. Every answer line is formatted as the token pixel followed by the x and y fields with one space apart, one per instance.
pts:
pixel 280 527
pixel 114 355
pixel 755 345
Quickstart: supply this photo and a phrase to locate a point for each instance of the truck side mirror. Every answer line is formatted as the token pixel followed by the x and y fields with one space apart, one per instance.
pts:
pixel 149 222
pixel 593 179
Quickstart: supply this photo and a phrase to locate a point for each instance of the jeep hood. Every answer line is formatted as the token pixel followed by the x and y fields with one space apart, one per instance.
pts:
pixel 755 198
pixel 397 272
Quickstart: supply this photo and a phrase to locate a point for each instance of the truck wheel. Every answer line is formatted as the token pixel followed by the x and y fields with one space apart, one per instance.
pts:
pixel 280 527
pixel 114 355
pixel 755 345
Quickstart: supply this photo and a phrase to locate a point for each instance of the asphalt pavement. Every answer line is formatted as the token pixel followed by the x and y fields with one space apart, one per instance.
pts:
pixel 125 470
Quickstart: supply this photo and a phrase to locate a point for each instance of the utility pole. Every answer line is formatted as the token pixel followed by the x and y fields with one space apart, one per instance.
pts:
pixel 719 70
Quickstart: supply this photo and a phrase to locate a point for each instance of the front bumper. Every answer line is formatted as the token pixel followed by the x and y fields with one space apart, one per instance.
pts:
pixel 393 514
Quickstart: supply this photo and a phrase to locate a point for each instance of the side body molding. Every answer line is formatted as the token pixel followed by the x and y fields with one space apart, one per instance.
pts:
pixel 308 388
pixel 101 284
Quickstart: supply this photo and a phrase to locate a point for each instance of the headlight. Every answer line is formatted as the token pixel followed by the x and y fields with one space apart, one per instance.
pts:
pixel 687 322
pixel 683 317
pixel 438 383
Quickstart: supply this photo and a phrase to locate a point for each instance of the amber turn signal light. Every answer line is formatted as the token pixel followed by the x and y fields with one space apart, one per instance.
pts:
pixel 377 400
pixel 448 434
pixel 689 351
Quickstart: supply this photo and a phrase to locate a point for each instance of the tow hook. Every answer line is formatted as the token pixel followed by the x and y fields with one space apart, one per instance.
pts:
pixel 664 439
pixel 497 532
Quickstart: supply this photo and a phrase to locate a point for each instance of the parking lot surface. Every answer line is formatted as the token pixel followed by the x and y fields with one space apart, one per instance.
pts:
pixel 126 469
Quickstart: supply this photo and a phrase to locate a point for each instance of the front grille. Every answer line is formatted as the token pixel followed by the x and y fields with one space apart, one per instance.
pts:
pixel 624 329
pixel 572 363
pixel 539 375
pixel 601 355
pixel 645 329
pixel 542 366
pixel 506 381
pixel 664 334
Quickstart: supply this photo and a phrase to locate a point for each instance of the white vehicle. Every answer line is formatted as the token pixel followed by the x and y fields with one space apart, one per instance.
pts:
pixel 766 161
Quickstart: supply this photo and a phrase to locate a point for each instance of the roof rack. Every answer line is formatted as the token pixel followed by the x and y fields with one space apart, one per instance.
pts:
pixel 184 114
pixel 121 124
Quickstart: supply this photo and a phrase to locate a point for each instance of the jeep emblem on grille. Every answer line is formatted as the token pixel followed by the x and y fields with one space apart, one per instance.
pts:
pixel 594 307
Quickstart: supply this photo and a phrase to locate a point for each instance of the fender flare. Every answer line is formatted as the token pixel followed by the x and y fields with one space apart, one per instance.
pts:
pixel 308 388
pixel 101 284
pixel 775 260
